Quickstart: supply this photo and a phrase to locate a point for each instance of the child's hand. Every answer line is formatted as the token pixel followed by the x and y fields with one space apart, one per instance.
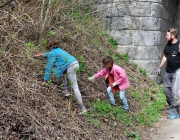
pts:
pixel 91 79
pixel 114 84
pixel 39 54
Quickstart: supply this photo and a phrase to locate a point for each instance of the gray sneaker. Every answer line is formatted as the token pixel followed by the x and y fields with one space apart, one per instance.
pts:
pixel 66 93
pixel 82 109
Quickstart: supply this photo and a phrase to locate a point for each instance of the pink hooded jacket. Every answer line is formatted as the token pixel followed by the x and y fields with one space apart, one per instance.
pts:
pixel 119 74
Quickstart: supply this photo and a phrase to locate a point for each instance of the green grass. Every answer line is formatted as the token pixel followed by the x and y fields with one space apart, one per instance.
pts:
pixel 151 109
pixel 107 111
pixel 82 65
pixel 135 95
pixel 113 43
pixel 131 135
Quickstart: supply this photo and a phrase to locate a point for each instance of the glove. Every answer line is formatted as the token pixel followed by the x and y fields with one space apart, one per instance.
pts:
pixel 159 71
pixel 114 84
pixel 91 79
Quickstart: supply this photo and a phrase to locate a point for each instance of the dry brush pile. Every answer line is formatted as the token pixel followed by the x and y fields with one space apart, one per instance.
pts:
pixel 30 111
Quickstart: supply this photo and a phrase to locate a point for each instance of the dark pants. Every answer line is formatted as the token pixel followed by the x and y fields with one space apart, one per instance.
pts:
pixel 169 79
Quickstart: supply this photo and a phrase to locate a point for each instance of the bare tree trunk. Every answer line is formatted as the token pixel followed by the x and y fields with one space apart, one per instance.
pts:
pixel 42 11
pixel 46 15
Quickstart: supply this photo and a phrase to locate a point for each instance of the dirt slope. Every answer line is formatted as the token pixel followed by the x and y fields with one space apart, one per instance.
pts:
pixel 30 111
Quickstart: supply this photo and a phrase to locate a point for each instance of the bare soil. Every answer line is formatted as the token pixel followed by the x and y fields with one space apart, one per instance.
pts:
pixel 34 112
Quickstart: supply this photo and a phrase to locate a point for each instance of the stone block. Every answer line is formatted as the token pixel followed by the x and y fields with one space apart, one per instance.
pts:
pixel 123 37
pixel 177 15
pixel 164 25
pixel 165 3
pixel 165 13
pixel 125 23
pixel 135 53
pixel 140 52
pixel 120 11
pixel 150 23
pixel 119 23
pixel 140 9
pixel 104 10
pixel 171 7
pixel 156 10
pixel 150 53
pixel 155 1
pixel 106 1
pixel 163 40
pixel 120 1
pixel 155 78
pixel 177 22
pixel 98 2
pixel 150 66
pixel 161 52
pixel 106 24
pixel 135 25
pixel 147 38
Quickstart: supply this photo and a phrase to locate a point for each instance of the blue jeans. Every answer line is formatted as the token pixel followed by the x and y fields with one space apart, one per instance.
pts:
pixel 122 95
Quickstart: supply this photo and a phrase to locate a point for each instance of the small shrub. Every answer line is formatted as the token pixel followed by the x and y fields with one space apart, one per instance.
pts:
pixel 143 71
pixel 82 65
pixel 131 135
pixel 51 33
pixel 49 82
pixel 95 121
pixel 29 44
pixel 44 41
pixel 87 9
pixel 61 27
pixel 69 33
pixel 113 43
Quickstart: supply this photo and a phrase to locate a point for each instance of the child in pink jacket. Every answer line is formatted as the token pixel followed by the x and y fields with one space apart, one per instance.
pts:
pixel 120 78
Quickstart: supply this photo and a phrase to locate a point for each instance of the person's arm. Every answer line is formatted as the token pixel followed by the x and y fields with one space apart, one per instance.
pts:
pixel 39 54
pixel 100 73
pixel 163 61
pixel 49 66
pixel 161 64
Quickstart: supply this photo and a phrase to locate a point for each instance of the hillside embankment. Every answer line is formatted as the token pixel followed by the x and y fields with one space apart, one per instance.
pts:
pixel 34 112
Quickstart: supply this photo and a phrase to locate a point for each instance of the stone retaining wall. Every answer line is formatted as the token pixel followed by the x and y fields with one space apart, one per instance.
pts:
pixel 139 27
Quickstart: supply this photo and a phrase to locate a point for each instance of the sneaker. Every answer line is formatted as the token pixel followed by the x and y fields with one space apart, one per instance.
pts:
pixel 127 110
pixel 82 109
pixel 169 111
pixel 114 104
pixel 173 116
pixel 66 93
